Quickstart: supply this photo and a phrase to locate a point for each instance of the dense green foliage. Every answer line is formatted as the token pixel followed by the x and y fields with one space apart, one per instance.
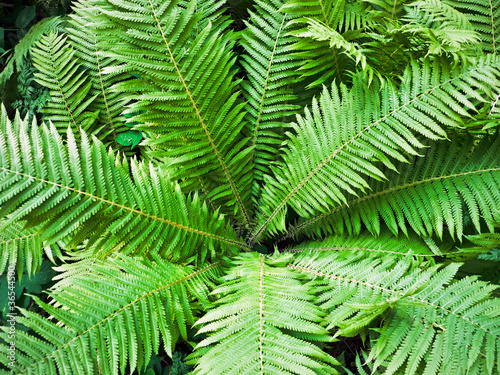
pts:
pixel 309 188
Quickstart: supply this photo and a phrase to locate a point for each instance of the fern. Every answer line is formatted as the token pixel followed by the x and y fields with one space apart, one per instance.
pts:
pixel 56 186
pixel 86 33
pixel 485 18
pixel 455 181
pixel 22 49
pixel 208 153
pixel 319 32
pixel 387 10
pixel 331 142
pixel 386 243
pixel 322 64
pixel 69 86
pixel 428 319
pixel 448 31
pixel 258 322
pixel 33 96
pixel 271 71
pixel 373 191
pixel 107 312
pixel 18 247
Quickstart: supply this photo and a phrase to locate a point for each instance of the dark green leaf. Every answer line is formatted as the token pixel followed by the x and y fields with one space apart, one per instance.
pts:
pixel 25 16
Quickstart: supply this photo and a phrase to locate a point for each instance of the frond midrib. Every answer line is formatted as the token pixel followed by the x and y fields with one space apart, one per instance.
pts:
pixel 323 12
pixel 185 278
pixel 268 73
pixel 17 238
pixel 334 52
pixel 345 248
pixel 202 122
pixel 307 223
pixel 92 196
pixel 494 105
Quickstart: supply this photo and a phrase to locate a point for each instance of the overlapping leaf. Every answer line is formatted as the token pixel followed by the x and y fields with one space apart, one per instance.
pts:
pixel 185 92
pixel 339 140
pixel 87 194
pixel 111 318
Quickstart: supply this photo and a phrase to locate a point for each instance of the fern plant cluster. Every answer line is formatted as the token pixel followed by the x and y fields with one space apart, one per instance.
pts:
pixel 261 190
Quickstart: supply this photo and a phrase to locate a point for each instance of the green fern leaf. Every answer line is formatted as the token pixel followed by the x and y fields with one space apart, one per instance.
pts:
pixel 25 45
pixel 211 12
pixel 68 84
pixel 316 33
pixel 485 18
pixel 388 11
pixel 322 64
pixel 338 140
pixel 386 243
pixel 271 71
pixel 88 29
pixel 86 193
pixel 447 30
pixel 257 324
pixel 112 318
pixel 431 325
pixel 20 246
pixel 430 197
pixel 188 99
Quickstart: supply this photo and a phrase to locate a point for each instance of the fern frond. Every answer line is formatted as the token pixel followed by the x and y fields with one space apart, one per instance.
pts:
pixel 111 319
pixel 346 131
pixel 211 12
pixel 437 11
pixel 354 17
pixel 187 98
pixel 257 324
pixel 69 86
pixel 484 15
pixel 86 194
pixel 88 29
pixel 23 48
pixel 485 242
pixel 271 71
pixel 431 325
pixel 319 32
pixel 321 63
pixel 387 11
pixel 329 12
pixel 431 194
pixel 447 30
